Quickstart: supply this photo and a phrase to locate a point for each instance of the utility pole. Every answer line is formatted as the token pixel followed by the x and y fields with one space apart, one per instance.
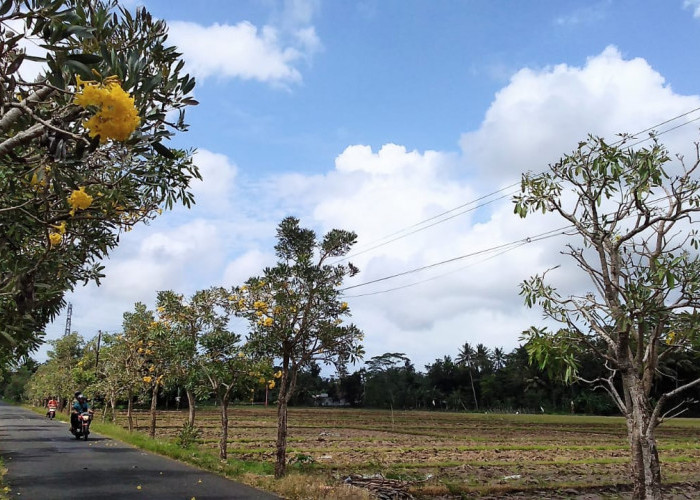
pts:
pixel 97 354
pixel 69 313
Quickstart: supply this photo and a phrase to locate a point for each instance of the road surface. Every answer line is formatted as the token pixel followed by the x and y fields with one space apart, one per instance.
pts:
pixel 44 462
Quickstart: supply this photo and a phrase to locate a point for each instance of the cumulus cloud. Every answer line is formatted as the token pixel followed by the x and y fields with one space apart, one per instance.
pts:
pixel 543 113
pixel 471 264
pixel 270 54
pixel 238 51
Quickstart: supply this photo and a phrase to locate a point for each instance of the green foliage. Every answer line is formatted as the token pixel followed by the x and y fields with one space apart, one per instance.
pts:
pixel 46 245
pixel 188 435
pixel 295 309
pixel 553 352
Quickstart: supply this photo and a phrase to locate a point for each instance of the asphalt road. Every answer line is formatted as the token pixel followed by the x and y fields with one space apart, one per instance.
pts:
pixel 44 461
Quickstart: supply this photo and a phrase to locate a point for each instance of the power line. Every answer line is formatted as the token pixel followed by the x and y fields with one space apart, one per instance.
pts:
pixel 504 248
pixel 433 278
pixel 461 257
pixel 440 218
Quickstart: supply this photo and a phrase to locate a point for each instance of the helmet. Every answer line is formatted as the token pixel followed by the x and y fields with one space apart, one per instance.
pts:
pixel 80 396
pixel 77 394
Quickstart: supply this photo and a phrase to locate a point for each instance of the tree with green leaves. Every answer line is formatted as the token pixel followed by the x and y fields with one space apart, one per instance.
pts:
pixel 634 210
pixel 62 373
pixel 227 369
pixel 296 313
pixel 189 320
pixel 82 154
pixel 134 355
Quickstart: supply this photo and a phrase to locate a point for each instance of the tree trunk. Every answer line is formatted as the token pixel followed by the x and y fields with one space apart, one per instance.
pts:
pixel 130 412
pixel 113 404
pixel 281 464
pixel 646 469
pixel 223 444
pixel 471 379
pixel 154 403
pixel 190 407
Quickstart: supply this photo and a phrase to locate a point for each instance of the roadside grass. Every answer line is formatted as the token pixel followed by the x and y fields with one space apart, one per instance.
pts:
pixel 4 488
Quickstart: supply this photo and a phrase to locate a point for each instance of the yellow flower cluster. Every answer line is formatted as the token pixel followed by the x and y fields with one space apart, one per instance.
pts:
pixel 79 200
pixel 278 374
pixel 55 239
pixel 267 322
pixel 56 236
pixel 116 117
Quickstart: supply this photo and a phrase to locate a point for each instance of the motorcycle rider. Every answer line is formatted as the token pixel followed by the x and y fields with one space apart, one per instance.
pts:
pixel 51 405
pixel 79 406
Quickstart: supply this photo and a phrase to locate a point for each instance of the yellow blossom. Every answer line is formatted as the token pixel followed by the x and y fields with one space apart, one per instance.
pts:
pixel 267 322
pixel 240 354
pixel 270 384
pixel 61 228
pixel 151 368
pixel 278 374
pixel 79 200
pixel 343 306
pixel 55 239
pixel 261 380
pixel 259 304
pixel 116 117
pixel 147 379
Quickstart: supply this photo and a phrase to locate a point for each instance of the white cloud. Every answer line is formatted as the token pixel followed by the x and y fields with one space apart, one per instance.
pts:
pixel 270 54
pixel 215 191
pixel 694 5
pixel 239 51
pixel 586 15
pixel 540 115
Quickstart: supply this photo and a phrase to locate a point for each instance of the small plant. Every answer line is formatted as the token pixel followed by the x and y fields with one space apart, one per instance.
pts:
pixel 188 435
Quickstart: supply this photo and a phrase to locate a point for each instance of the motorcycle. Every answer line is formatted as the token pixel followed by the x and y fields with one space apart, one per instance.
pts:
pixel 83 428
pixel 51 413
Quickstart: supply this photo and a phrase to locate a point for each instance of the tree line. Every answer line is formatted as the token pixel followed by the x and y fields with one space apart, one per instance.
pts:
pixel 476 379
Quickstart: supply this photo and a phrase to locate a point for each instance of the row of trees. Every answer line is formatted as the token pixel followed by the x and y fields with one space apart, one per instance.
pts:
pixel 295 318
pixel 486 381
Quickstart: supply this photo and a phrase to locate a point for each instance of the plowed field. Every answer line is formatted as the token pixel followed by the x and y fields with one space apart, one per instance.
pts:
pixel 437 454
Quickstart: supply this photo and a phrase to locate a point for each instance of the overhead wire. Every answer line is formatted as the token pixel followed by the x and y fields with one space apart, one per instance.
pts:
pixel 529 239
pixel 440 218
pixel 503 248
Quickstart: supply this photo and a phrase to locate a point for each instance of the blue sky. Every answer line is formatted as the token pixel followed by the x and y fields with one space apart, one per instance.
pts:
pixel 376 115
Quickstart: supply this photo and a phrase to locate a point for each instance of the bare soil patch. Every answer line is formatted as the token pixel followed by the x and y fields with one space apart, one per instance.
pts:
pixel 453 455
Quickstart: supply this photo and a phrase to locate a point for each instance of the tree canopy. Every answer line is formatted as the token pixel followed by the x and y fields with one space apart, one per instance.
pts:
pixel 82 154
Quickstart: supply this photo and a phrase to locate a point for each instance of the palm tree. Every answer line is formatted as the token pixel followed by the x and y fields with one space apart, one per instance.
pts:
pixel 499 358
pixel 466 358
pixel 483 359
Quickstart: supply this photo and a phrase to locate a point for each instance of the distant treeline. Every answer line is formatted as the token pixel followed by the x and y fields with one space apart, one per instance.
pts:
pixel 477 379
